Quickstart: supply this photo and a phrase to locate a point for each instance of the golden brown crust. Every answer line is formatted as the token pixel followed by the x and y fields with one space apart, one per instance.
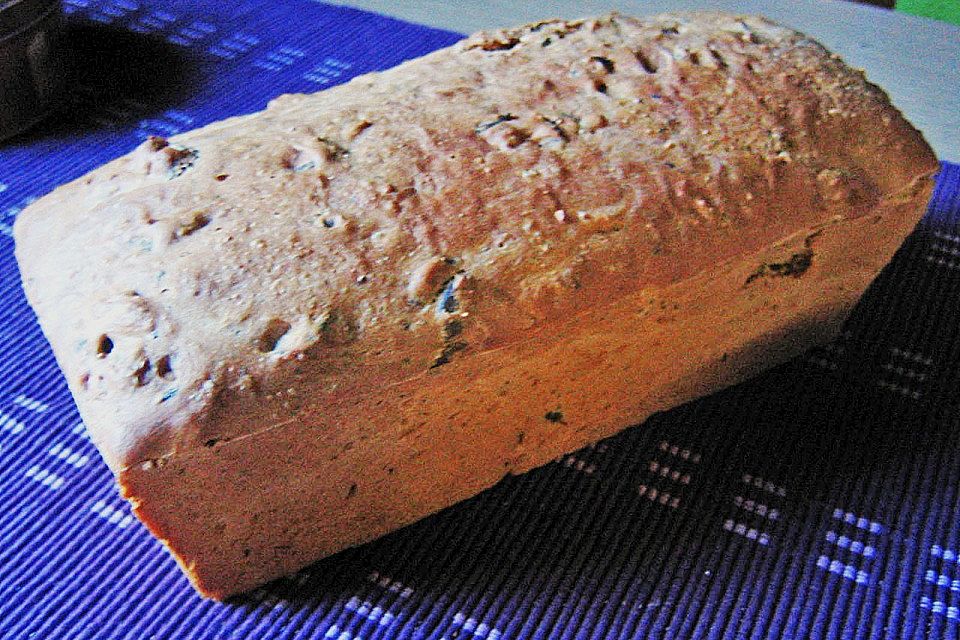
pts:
pixel 424 444
pixel 413 265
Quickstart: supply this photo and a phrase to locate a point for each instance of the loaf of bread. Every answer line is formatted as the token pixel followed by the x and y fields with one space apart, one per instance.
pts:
pixel 294 331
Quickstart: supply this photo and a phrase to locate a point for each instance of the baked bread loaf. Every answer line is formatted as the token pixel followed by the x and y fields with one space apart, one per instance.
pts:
pixel 294 331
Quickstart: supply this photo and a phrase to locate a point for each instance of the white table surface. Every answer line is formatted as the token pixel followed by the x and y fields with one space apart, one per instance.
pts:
pixel 917 60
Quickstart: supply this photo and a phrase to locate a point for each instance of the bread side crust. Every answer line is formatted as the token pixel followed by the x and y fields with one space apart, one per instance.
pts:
pixel 325 481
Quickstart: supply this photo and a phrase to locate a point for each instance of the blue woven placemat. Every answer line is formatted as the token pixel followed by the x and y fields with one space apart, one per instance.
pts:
pixel 820 500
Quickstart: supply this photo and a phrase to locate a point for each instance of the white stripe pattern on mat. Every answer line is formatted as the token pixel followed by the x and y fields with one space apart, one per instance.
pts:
pixel 44 477
pixel 942 580
pixel 11 424
pixel 939 607
pixel 334 632
pixel 30 404
pixel 368 610
pixel 946 251
pixel 80 429
pixel 473 627
pixel 847 571
pixel 948 555
pixel 111 514
pixel 68 455
pixel 391 585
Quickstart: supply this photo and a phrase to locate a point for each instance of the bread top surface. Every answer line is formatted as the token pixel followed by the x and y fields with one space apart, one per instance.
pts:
pixel 458 203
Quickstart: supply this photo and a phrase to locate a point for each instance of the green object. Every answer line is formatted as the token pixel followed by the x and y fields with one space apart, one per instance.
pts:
pixel 947 10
